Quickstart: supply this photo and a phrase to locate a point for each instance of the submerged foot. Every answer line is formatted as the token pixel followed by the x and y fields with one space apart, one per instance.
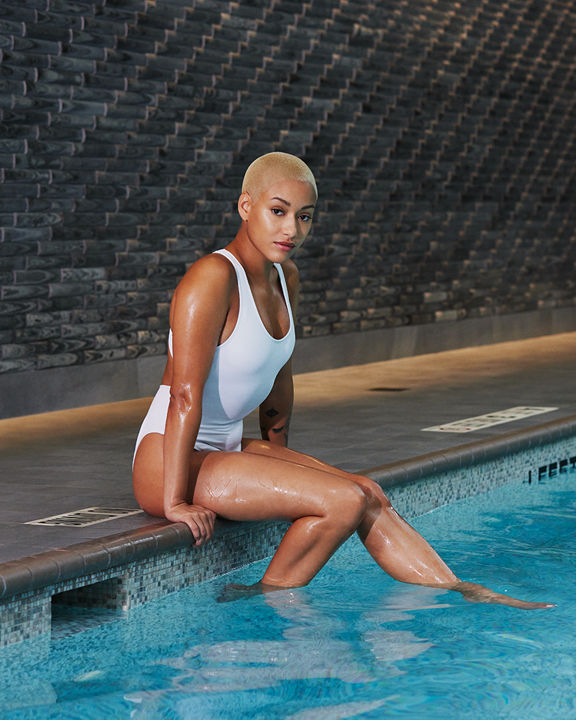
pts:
pixel 234 591
pixel 479 594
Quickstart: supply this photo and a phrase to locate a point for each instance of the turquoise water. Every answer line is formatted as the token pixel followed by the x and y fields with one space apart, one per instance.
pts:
pixel 353 644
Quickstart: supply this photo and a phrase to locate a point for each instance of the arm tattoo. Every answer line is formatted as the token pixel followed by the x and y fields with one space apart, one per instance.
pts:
pixel 271 413
pixel 282 430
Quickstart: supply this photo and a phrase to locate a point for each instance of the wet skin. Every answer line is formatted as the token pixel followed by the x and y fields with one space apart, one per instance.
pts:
pixel 266 480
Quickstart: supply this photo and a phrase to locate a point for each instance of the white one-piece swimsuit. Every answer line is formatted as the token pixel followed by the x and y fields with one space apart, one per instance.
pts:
pixel 241 377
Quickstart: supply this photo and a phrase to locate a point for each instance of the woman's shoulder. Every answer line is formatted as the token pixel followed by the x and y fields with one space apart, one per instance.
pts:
pixel 212 272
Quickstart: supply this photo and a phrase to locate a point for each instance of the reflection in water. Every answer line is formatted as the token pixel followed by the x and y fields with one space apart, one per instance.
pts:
pixel 354 643
pixel 314 642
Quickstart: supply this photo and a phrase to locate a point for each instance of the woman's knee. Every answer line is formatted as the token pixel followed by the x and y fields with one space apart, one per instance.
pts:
pixel 347 506
pixel 375 496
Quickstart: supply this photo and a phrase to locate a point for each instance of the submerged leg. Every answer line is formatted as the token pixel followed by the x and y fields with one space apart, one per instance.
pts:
pixel 400 550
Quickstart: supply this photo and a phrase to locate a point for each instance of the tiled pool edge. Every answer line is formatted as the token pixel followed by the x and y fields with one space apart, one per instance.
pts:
pixel 122 571
pixel 125 570
pixel 426 482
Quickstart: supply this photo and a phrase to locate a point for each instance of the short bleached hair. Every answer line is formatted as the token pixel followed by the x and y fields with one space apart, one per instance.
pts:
pixel 272 167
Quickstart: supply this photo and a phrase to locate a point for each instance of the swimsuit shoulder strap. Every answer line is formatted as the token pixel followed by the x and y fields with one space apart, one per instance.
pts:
pixel 233 259
pixel 242 278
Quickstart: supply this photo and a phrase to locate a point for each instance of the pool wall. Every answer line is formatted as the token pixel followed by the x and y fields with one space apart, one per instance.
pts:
pixel 123 571
pixel 441 135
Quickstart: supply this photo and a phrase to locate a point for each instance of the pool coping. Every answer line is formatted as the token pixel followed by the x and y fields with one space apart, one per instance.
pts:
pixel 480 451
pixel 36 572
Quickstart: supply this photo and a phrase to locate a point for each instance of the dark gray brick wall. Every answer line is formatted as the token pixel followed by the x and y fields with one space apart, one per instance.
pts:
pixel 442 135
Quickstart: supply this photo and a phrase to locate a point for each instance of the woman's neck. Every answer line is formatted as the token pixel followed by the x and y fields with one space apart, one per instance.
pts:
pixel 256 266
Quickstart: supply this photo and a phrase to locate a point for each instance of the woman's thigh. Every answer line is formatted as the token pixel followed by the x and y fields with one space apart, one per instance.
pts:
pixel 147 474
pixel 244 485
pixel 249 486
pixel 266 449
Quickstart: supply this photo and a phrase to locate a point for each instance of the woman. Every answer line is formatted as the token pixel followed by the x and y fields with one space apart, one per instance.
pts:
pixel 230 343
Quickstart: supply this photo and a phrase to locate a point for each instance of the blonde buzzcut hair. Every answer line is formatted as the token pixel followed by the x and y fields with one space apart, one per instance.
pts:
pixel 275 166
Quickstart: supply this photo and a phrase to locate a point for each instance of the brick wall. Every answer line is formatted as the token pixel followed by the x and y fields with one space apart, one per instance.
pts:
pixel 442 136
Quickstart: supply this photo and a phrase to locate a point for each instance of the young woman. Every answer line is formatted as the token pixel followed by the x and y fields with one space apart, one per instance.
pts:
pixel 229 349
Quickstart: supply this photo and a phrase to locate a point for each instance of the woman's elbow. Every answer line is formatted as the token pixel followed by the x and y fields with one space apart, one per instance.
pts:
pixel 184 399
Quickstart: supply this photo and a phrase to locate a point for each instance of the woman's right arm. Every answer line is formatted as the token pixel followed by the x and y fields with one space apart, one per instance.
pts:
pixel 197 317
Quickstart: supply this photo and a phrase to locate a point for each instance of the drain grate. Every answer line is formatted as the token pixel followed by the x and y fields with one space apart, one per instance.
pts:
pixel 85 517
pixel 388 389
pixel 485 421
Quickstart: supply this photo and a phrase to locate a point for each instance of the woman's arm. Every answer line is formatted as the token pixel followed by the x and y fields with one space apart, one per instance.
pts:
pixel 197 317
pixel 276 410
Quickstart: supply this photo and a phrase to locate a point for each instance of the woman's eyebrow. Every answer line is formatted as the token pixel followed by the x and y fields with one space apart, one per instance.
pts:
pixel 290 204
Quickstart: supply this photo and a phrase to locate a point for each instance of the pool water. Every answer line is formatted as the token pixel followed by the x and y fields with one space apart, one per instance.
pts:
pixel 353 644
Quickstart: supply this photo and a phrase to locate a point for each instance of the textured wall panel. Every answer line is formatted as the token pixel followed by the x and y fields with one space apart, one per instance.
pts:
pixel 442 136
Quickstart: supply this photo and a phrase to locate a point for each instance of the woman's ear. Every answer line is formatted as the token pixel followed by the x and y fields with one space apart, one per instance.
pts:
pixel 244 205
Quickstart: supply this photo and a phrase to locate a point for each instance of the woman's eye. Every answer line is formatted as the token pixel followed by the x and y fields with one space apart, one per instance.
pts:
pixel 306 218
pixel 278 211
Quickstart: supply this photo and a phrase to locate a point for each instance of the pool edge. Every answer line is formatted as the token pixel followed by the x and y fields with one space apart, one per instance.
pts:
pixel 414 469
pixel 126 569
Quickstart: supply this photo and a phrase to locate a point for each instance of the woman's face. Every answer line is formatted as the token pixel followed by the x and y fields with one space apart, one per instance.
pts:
pixel 279 220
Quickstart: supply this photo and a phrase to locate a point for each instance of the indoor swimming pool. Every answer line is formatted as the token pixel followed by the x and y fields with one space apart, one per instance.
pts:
pixel 353 644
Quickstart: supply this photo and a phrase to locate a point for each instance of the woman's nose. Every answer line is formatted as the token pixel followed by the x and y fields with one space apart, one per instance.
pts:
pixel 290 226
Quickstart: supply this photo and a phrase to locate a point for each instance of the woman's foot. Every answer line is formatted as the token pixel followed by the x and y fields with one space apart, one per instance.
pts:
pixel 234 591
pixel 473 592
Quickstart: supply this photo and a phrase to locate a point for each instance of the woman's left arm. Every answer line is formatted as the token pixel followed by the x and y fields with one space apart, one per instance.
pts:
pixel 276 410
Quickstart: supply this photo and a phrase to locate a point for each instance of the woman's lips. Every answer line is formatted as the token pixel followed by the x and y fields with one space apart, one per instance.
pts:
pixel 286 246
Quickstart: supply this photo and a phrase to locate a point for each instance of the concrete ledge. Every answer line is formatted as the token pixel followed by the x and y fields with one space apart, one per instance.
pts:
pixel 481 451
pixel 38 571
pixel 27 393
pixel 55 566
pixel 39 391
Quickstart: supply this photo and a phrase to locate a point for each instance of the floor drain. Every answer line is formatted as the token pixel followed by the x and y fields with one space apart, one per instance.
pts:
pixel 85 517
pixel 489 420
pixel 388 389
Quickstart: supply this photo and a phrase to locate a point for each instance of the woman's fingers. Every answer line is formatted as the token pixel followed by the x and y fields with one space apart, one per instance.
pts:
pixel 201 523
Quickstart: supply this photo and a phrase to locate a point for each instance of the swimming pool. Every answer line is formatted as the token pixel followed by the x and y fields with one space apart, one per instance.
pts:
pixel 354 643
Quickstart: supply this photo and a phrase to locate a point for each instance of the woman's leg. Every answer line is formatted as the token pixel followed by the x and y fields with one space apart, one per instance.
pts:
pixel 324 506
pixel 324 509
pixel 395 545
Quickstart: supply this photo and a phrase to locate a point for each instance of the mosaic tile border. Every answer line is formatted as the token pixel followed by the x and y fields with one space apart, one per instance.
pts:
pixel 421 496
pixel 155 569
pixel 125 570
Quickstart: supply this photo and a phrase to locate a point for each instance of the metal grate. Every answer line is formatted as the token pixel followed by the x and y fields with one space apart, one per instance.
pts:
pixel 485 421
pixel 85 517
pixel 388 389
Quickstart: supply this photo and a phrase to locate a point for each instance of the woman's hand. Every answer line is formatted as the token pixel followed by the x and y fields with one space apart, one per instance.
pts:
pixel 200 520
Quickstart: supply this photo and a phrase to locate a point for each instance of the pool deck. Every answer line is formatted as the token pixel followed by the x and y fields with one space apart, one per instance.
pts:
pixel 361 418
